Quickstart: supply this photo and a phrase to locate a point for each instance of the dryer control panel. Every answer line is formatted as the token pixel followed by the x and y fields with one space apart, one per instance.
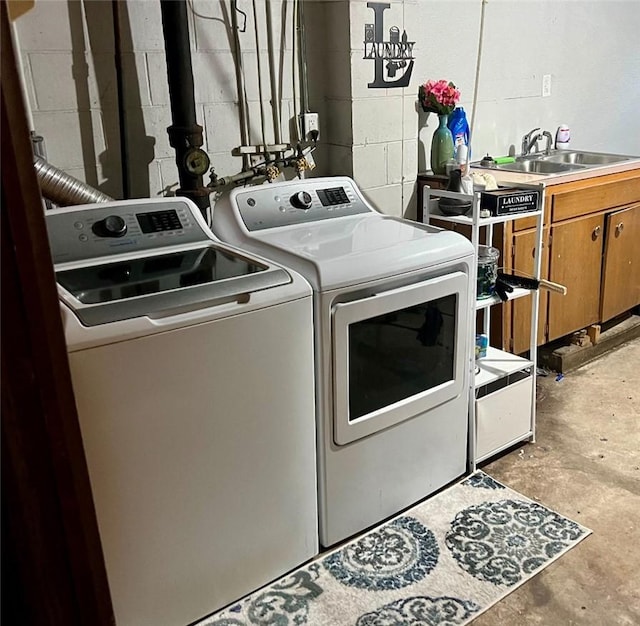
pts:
pixel 298 202
pixel 102 229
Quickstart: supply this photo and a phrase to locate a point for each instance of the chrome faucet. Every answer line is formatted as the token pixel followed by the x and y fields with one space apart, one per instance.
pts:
pixel 530 140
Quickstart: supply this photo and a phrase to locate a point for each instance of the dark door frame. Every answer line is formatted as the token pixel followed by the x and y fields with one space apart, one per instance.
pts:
pixel 53 569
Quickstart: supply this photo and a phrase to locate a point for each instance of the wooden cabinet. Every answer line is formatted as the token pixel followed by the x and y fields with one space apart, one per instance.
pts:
pixel 575 262
pixel 595 194
pixel 592 245
pixel 523 262
pixel 621 268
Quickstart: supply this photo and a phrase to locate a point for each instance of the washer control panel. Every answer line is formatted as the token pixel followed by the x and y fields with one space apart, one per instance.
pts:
pixel 298 202
pixel 116 227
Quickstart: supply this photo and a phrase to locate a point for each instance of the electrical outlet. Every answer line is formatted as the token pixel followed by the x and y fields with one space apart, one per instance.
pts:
pixel 546 85
pixel 310 126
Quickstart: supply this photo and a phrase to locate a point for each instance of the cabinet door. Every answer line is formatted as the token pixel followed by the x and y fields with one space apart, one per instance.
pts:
pixel 576 259
pixel 524 245
pixel 621 274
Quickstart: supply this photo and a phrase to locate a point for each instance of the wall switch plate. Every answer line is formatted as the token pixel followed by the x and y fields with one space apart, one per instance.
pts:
pixel 546 85
pixel 310 125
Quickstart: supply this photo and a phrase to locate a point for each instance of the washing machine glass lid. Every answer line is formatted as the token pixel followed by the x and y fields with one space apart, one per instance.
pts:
pixel 151 284
pixel 154 274
pixel 147 257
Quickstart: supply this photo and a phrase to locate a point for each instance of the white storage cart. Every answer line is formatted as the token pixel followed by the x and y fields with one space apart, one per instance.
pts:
pixel 502 400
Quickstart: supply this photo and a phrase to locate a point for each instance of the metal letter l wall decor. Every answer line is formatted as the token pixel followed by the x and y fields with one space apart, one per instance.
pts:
pixel 390 56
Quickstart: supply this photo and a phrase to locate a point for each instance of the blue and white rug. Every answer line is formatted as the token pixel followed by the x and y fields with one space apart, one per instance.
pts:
pixel 443 562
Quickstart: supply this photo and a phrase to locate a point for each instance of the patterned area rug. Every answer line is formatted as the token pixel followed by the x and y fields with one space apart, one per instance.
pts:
pixel 443 562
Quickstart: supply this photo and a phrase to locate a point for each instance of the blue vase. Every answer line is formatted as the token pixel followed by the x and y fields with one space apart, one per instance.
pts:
pixel 441 146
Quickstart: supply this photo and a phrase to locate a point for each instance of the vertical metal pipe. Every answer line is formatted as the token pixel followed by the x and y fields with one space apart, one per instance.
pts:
pixel 242 94
pixel 124 152
pixel 275 96
pixel 179 71
pixel 294 66
pixel 304 91
pixel 185 135
pixel 259 67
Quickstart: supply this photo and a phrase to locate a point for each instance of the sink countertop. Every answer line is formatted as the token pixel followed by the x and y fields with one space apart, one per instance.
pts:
pixel 505 177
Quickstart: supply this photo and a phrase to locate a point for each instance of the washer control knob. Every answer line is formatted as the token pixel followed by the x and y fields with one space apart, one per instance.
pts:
pixel 301 200
pixel 110 226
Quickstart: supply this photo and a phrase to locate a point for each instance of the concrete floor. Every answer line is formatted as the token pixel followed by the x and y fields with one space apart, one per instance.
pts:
pixel 585 464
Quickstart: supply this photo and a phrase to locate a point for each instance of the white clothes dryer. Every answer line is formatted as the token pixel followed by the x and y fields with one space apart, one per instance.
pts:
pixel 192 367
pixel 392 321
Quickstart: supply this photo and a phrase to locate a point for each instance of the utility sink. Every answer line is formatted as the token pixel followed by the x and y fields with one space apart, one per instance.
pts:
pixel 585 158
pixel 561 162
pixel 537 166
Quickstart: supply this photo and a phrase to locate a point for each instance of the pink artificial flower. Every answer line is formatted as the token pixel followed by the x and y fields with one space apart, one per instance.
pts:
pixel 438 96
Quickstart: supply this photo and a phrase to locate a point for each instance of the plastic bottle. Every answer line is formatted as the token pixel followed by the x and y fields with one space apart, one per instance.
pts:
pixel 563 137
pixel 462 152
pixel 459 127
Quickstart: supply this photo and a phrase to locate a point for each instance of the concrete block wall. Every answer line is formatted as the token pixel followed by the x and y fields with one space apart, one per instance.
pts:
pixel 384 120
pixel 329 63
pixel 68 54
pixel 590 49
pixel 69 77
pixel 216 95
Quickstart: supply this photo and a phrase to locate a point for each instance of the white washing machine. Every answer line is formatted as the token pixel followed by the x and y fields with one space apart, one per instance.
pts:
pixel 392 321
pixel 192 366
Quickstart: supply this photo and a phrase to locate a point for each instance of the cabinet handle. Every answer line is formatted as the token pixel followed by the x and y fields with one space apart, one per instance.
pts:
pixel 596 233
pixel 619 228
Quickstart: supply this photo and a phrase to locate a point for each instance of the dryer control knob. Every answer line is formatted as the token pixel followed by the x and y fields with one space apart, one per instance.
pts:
pixel 110 226
pixel 301 200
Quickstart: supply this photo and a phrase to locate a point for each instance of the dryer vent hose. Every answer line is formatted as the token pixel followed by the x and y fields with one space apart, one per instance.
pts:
pixel 63 189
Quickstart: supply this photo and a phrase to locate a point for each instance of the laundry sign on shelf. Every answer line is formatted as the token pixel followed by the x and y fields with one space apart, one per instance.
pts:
pixel 507 201
pixel 391 56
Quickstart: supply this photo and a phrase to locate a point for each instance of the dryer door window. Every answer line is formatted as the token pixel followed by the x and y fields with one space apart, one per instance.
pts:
pixel 398 354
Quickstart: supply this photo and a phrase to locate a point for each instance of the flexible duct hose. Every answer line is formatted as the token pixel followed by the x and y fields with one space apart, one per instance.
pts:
pixel 63 189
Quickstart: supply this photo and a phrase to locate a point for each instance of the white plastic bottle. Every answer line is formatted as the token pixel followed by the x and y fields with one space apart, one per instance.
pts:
pixel 563 137
pixel 462 158
pixel 462 152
